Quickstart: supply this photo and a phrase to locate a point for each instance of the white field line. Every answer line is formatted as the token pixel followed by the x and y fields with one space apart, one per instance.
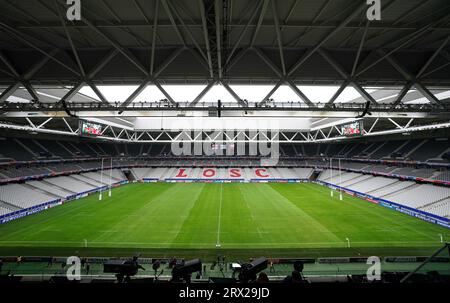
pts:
pixel 219 217
pixel 240 244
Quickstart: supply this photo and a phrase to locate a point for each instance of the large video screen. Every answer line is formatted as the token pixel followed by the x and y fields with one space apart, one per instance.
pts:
pixel 352 129
pixel 90 129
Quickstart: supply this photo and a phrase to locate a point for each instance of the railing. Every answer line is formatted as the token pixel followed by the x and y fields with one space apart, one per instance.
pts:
pixel 206 106
pixel 46 267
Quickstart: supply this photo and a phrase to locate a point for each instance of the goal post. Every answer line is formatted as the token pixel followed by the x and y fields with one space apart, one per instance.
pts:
pixel 331 177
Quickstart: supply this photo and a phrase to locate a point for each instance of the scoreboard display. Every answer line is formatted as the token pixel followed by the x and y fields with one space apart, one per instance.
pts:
pixel 90 129
pixel 352 129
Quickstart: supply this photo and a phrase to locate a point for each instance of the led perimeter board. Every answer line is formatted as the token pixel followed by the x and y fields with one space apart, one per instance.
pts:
pixel 89 128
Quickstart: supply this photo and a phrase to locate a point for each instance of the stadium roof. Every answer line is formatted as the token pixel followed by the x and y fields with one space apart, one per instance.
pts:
pixel 402 59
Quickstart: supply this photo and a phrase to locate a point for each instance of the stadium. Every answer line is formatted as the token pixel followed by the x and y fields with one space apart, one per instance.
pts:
pixel 223 140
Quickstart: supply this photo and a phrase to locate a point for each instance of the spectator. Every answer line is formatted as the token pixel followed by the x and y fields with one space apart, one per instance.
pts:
pixel 262 278
pixel 172 262
pixel 297 277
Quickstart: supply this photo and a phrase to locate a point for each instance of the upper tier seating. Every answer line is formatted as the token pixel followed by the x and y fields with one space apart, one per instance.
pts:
pixel 12 149
pixel 386 150
pixel 408 171
pixel 32 149
pixel 430 149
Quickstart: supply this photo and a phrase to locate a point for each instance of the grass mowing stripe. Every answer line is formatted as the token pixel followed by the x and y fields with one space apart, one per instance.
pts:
pixel 318 226
pixel 191 216
pixel 399 217
pixel 201 223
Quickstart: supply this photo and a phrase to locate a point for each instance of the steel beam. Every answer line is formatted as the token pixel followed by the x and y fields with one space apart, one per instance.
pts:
pixel 206 37
pixel 347 76
pixel 311 52
pixel 155 30
pixel 260 20
pixel 69 39
pixel 168 61
pixel 72 92
pixel 172 21
pixel 408 39
pixel 218 38
pixel 431 59
pixel 169 98
pixel 202 93
pixel 9 91
pixel 135 93
pixel 117 46
pixel 20 37
pixel 279 37
pixel 9 65
pixel 299 93
pixel 355 64
pixel 233 93
pixel 338 92
pixel 98 92
pixel 411 78
pixel 272 91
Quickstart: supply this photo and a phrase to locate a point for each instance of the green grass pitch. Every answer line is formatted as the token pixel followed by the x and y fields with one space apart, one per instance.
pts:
pixel 198 219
